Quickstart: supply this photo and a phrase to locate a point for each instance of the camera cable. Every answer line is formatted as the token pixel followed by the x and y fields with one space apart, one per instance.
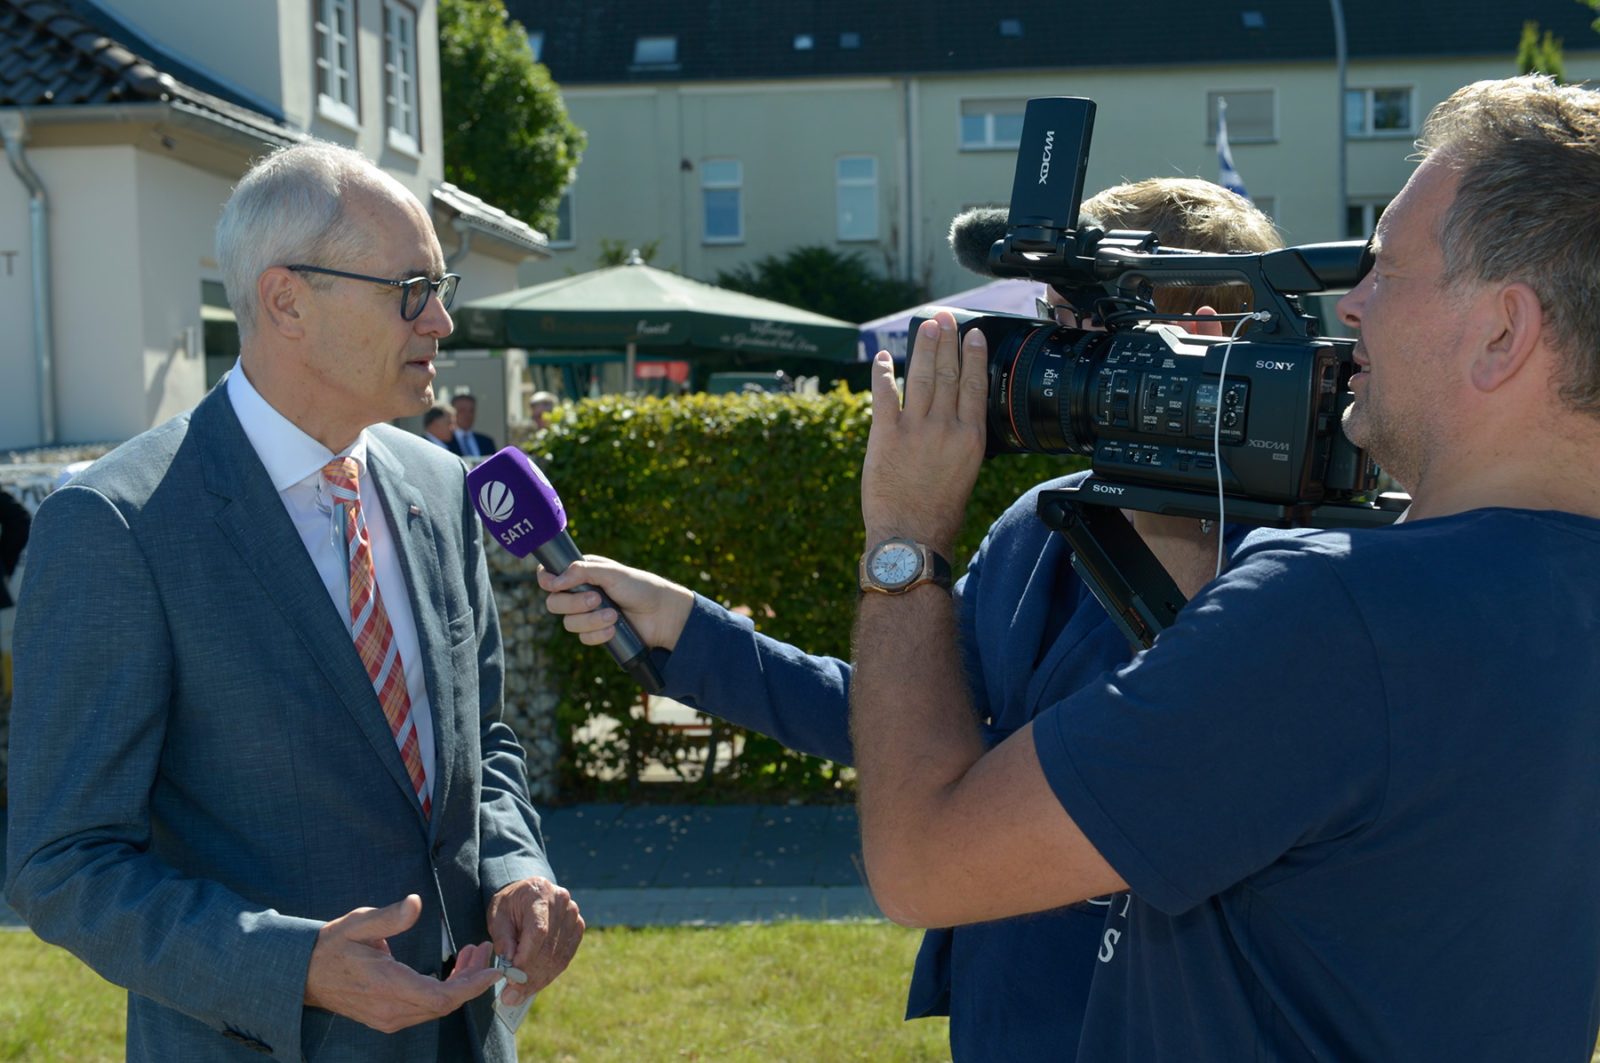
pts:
pixel 1216 429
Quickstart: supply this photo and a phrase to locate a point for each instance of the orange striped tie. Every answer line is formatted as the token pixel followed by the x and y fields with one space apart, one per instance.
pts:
pixel 369 624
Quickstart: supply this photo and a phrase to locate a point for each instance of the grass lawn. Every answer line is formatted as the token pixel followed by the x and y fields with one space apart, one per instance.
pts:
pixel 763 994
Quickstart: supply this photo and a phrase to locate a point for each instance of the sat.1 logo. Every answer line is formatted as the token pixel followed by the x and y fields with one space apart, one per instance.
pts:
pixel 496 501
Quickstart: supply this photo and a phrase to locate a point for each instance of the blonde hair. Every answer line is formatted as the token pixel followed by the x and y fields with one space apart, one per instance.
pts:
pixel 1189 213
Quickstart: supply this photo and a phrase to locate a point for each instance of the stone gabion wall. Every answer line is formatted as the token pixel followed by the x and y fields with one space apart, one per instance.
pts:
pixel 530 699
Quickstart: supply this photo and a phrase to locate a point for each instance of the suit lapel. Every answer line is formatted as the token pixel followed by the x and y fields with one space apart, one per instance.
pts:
pixel 414 528
pixel 251 517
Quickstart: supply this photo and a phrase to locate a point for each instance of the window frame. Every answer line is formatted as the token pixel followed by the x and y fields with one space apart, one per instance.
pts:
pixel 398 138
pixel 1235 137
pixel 840 184
pixel 324 53
pixel 1368 95
pixel 568 202
pixel 1371 209
pixel 709 185
pixel 990 109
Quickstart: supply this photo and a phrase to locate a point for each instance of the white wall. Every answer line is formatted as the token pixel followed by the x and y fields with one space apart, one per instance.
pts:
pixel 1151 122
pixel 179 207
pixel 19 402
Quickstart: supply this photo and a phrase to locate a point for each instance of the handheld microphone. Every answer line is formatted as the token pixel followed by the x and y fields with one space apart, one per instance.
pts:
pixel 525 514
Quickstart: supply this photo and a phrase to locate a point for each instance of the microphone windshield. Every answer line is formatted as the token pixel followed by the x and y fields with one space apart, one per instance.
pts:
pixel 515 500
pixel 972 234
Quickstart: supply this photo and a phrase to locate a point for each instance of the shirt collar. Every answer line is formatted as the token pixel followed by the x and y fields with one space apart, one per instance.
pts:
pixel 289 454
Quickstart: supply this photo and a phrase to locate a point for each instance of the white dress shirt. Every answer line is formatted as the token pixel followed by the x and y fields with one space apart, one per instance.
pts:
pixel 294 461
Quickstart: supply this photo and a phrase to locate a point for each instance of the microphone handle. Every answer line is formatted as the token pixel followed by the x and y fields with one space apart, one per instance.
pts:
pixel 625 647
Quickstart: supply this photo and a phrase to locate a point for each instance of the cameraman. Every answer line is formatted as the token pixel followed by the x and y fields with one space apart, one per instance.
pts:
pixel 1353 789
pixel 1031 633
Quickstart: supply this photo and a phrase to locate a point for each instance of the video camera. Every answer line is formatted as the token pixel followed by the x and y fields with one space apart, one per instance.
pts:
pixel 1243 430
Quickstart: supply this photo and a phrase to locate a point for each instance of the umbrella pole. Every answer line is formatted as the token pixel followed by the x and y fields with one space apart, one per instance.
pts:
pixel 632 351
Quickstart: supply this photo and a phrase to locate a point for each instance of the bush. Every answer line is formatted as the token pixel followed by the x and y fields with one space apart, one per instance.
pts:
pixel 752 500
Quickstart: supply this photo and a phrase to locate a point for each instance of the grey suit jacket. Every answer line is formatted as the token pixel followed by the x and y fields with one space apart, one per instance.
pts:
pixel 200 771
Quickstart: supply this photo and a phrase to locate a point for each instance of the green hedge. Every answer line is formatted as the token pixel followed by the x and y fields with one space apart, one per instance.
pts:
pixel 752 500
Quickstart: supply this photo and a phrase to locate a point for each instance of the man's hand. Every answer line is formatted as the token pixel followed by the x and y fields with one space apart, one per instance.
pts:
pixel 657 608
pixel 536 925
pixel 353 974
pixel 923 459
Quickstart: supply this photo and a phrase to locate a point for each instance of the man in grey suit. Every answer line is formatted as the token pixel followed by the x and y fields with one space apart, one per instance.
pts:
pixel 258 771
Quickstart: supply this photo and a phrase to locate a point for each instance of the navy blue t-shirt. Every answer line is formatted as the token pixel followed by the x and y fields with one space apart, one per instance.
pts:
pixel 1355 791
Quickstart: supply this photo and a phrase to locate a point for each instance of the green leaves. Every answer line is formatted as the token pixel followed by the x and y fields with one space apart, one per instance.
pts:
pixel 752 500
pixel 507 137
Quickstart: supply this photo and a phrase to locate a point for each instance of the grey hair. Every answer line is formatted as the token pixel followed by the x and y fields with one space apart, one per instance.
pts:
pixel 1527 152
pixel 290 208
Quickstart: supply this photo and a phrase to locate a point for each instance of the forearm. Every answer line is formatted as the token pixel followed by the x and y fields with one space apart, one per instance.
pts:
pixel 915 740
pixel 724 667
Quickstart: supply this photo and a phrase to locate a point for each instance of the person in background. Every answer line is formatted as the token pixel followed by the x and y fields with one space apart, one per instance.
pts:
pixel 1348 800
pixel 469 444
pixel 439 425
pixel 539 407
pixel 1030 632
pixel 261 777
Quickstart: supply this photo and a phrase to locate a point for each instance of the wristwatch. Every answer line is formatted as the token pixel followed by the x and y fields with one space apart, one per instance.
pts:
pixel 895 566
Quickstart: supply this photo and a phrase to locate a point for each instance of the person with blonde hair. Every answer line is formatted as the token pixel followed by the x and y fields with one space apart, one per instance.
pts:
pixel 1030 631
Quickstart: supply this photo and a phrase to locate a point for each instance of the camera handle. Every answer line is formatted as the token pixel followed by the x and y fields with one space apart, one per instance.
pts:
pixel 1125 575
pixel 1118 567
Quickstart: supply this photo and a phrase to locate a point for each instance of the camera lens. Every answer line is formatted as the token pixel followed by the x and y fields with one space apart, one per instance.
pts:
pixel 1038 379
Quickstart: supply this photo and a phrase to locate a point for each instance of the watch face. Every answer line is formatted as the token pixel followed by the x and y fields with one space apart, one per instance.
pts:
pixel 895 565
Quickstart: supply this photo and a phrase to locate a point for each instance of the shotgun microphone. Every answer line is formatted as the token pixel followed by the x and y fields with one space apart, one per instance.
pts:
pixel 525 514
pixel 973 233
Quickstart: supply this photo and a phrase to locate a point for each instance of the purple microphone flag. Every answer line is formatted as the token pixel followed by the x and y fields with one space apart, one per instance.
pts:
pixel 515 500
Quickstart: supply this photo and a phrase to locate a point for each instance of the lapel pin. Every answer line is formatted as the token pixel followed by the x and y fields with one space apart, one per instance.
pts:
pixel 416 511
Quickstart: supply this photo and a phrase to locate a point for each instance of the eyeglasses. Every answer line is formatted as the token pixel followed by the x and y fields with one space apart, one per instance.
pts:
pixel 1060 313
pixel 416 290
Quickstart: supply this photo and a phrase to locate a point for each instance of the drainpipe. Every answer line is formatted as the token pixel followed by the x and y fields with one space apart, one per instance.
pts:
pixel 14 130
pixel 463 248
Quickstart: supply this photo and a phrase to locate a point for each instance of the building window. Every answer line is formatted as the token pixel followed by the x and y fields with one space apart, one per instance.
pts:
pixel 400 77
pixel 857 193
pixel 722 197
pixel 536 45
pixel 336 61
pixel 804 42
pixel 1011 27
pixel 991 124
pixel 1361 217
pixel 1377 112
pixel 1252 115
pixel 849 40
pixel 655 51
pixel 564 236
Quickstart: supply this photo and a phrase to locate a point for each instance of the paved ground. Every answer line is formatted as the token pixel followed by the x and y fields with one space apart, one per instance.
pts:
pixel 688 865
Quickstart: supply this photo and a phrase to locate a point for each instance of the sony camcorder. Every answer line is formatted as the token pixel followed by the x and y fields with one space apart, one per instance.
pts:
pixel 1164 413
pixel 1243 429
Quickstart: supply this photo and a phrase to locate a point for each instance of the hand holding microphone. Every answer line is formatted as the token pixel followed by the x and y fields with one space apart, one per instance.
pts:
pixel 525 514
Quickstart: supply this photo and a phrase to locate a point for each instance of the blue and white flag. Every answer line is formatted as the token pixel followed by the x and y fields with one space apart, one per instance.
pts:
pixel 1229 178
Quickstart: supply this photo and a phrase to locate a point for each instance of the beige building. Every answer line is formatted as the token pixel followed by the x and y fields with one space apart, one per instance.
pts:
pixel 731 132
pixel 126 123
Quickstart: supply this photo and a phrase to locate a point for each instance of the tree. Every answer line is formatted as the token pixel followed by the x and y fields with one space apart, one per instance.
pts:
pixel 1540 55
pixel 824 281
pixel 507 137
